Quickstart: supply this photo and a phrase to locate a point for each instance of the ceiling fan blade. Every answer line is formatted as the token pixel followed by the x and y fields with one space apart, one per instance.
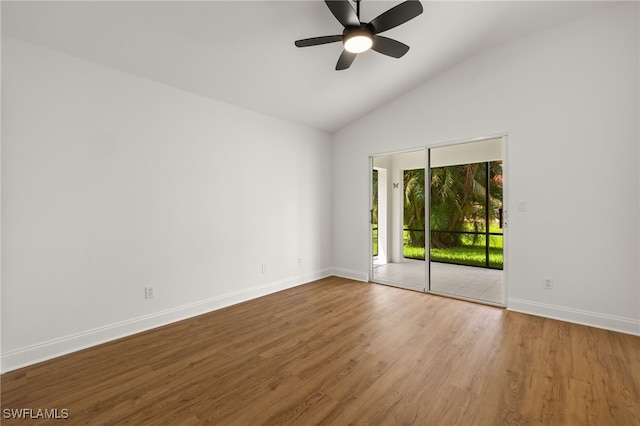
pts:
pixel 389 46
pixel 315 41
pixel 345 60
pixel 343 11
pixel 396 16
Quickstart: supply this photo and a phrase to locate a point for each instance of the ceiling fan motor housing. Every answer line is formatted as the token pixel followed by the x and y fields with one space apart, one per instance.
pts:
pixel 358 39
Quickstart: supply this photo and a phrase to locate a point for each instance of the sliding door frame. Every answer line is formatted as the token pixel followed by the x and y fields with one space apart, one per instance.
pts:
pixel 505 211
pixel 427 168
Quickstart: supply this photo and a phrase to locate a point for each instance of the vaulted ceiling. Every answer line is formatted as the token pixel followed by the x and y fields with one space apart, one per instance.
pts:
pixel 242 52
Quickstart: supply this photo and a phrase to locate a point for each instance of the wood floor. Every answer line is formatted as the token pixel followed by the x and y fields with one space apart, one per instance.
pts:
pixel 339 352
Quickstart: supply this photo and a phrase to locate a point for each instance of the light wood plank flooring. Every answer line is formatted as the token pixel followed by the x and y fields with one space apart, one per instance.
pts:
pixel 340 352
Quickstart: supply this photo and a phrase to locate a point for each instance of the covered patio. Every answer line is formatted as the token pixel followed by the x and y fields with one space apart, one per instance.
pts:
pixel 468 282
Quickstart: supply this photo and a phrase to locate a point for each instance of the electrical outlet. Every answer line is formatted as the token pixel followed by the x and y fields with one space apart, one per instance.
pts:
pixel 299 261
pixel 149 292
pixel 264 268
pixel 548 283
pixel 522 205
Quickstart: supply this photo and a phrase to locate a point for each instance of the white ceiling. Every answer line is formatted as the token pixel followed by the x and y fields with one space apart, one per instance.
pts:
pixel 242 52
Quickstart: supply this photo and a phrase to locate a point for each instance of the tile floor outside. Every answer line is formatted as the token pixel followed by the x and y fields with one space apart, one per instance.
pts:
pixel 456 280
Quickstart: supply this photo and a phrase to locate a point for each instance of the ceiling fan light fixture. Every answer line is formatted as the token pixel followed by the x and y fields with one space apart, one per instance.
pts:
pixel 358 41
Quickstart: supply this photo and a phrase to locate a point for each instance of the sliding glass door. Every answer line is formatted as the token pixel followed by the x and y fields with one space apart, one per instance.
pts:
pixel 436 220
pixel 466 235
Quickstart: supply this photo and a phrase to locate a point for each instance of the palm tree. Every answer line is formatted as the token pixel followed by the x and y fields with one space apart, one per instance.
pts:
pixel 458 195
pixel 461 211
pixel 414 206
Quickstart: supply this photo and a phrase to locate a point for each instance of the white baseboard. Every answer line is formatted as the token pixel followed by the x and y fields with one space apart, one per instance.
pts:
pixel 57 347
pixel 593 319
pixel 350 274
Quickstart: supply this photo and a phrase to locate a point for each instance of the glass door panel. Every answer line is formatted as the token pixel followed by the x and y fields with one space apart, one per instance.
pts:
pixel 398 220
pixel 466 249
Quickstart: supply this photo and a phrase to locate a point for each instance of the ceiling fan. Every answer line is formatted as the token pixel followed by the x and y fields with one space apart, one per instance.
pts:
pixel 359 37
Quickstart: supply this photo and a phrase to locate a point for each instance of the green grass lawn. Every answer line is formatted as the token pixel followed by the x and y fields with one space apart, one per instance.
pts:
pixel 473 256
pixel 375 242
pixel 469 253
pixel 465 255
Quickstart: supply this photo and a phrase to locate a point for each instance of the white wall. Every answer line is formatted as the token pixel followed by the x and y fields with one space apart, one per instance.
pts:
pixel 111 183
pixel 568 98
